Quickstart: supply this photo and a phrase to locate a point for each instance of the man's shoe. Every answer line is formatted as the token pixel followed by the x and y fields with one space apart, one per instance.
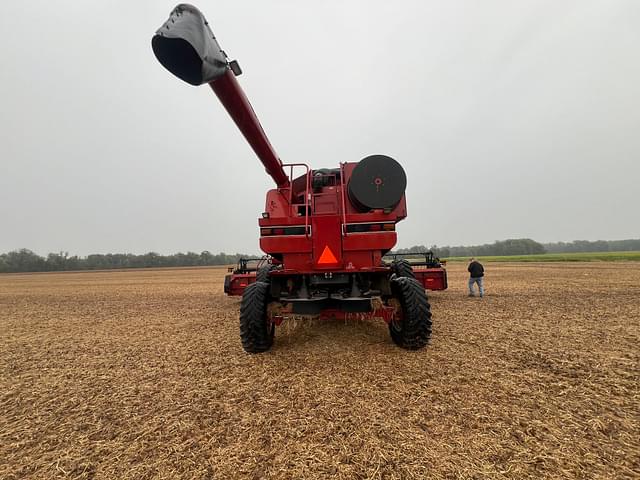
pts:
pixel 471 295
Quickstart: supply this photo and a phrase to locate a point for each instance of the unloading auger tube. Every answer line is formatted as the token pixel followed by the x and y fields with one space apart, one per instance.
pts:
pixel 186 46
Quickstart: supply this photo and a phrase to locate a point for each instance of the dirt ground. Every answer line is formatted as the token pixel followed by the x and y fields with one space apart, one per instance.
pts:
pixel 140 374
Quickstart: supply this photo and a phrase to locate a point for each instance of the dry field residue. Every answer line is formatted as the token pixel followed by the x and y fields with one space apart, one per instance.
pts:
pixel 140 374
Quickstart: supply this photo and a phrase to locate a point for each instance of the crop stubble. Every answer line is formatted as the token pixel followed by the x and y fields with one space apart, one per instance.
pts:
pixel 140 374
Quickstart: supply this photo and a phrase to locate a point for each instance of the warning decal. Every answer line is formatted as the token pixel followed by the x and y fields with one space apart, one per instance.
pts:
pixel 327 256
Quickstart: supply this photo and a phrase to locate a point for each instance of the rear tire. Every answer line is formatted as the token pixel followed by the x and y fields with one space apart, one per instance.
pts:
pixel 256 332
pixel 262 275
pixel 414 329
pixel 402 268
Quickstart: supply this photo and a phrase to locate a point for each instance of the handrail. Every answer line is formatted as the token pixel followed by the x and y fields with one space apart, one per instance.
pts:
pixel 306 203
pixel 344 207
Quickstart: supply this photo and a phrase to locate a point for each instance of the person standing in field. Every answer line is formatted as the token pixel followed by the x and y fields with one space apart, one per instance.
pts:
pixel 476 272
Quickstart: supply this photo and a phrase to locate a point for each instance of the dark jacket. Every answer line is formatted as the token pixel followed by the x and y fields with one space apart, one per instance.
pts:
pixel 476 269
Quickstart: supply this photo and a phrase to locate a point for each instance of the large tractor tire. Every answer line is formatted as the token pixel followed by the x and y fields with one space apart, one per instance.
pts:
pixel 262 275
pixel 414 329
pixel 402 268
pixel 256 332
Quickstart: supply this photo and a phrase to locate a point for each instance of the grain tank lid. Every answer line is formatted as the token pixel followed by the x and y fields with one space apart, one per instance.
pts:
pixel 186 46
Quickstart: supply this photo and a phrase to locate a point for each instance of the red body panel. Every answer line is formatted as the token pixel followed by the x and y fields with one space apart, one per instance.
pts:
pixel 288 244
pixel 432 278
pixel 327 242
pixel 235 283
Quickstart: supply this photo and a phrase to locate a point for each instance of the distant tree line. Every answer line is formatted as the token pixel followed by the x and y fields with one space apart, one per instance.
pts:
pixel 25 260
pixel 583 246
pixel 517 246
pixel 526 246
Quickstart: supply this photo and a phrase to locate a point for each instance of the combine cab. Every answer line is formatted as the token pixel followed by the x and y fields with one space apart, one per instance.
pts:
pixel 328 228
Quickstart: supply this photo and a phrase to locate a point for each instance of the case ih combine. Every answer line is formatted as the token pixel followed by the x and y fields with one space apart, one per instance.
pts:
pixel 327 228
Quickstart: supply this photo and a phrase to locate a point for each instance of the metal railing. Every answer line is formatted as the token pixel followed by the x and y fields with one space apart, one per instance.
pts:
pixel 307 202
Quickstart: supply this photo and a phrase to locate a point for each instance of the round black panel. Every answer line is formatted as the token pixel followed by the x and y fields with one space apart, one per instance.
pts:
pixel 377 182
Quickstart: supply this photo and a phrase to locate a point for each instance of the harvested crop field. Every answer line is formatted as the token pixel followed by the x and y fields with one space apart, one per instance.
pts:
pixel 140 374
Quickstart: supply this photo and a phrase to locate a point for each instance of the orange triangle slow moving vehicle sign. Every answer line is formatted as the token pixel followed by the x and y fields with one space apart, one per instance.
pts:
pixel 327 256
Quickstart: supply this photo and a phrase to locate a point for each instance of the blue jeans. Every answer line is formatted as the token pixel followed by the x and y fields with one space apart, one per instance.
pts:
pixel 477 280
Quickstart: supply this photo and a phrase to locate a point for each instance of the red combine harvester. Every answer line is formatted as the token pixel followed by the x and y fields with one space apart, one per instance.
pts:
pixel 327 228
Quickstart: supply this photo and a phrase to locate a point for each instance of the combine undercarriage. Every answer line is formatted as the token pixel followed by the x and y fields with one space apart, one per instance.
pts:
pixel 400 301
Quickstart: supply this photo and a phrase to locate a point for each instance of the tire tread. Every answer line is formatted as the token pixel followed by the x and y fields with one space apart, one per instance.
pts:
pixel 255 334
pixel 402 268
pixel 416 323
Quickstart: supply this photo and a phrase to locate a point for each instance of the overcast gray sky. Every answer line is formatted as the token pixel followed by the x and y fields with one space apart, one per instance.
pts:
pixel 511 119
